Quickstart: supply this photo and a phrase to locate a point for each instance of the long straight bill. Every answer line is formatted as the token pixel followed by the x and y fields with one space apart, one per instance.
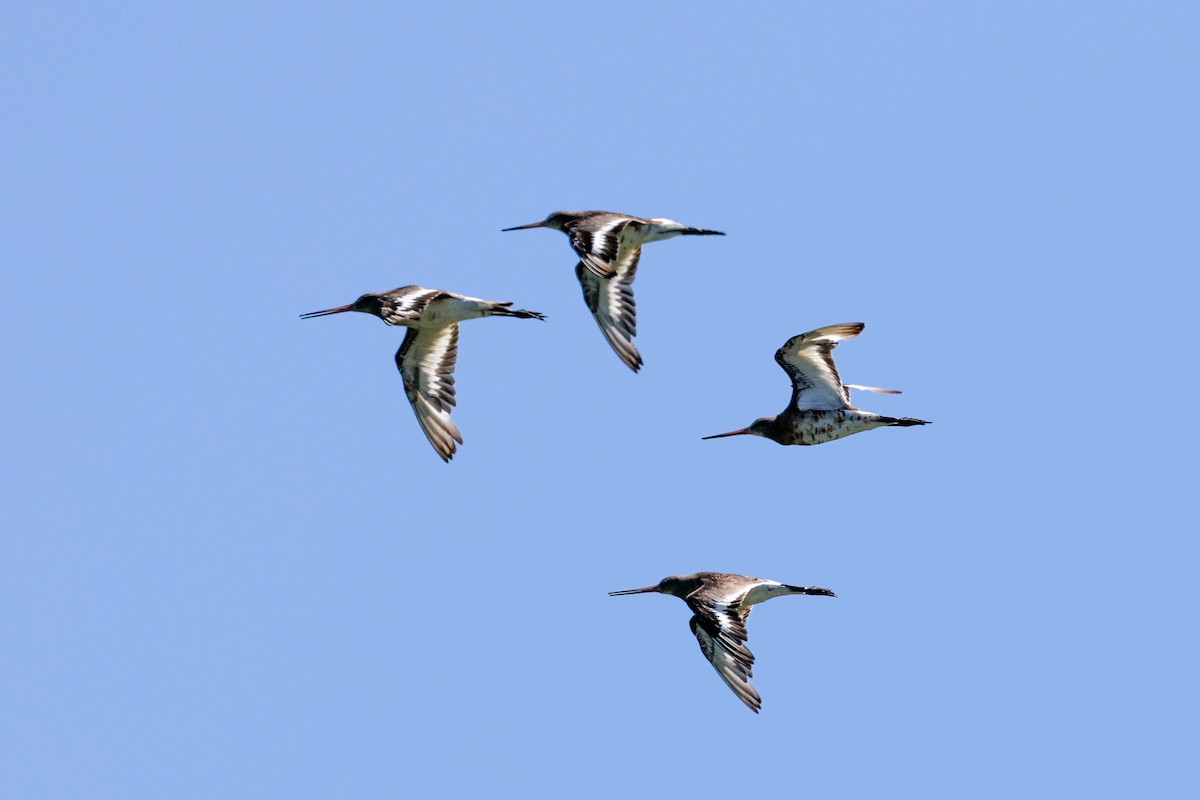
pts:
pixel 739 432
pixel 643 590
pixel 327 312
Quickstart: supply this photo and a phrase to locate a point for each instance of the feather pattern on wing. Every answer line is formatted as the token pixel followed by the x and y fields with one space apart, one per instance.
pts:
pixel 720 627
pixel 611 303
pixel 426 361
pixel 808 361
pixel 407 303
pixel 597 241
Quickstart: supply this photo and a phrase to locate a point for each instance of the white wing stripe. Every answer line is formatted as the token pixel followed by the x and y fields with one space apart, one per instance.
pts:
pixel 426 361
pixel 612 304
pixel 808 361
pixel 720 628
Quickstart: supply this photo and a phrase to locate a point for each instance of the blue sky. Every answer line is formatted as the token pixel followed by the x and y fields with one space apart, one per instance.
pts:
pixel 233 566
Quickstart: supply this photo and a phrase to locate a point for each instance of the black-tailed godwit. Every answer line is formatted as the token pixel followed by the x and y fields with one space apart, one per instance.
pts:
pixel 820 410
pixel 427 357
pixel 721 604
pixel 609 246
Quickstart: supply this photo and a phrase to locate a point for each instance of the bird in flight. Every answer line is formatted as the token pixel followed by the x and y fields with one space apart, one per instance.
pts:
pixel 609 246
pixel 427 357
pixel 721 603
pixel 820 410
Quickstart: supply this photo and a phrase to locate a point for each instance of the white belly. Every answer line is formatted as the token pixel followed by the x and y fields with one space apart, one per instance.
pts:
pixel 448 310
pixel 653 232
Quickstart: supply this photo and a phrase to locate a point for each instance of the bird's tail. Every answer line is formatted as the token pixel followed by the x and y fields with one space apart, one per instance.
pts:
pixel 906 422
pixel 506 310
pixel 818 590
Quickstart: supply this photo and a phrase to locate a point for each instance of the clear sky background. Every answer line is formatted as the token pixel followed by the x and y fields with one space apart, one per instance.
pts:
pixel 233 567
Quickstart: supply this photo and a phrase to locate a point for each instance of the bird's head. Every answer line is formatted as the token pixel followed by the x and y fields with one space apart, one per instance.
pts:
pixel 675 585
pixel 368 303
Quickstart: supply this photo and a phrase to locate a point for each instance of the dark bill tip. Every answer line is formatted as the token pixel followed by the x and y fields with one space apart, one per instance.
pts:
pixel 541 224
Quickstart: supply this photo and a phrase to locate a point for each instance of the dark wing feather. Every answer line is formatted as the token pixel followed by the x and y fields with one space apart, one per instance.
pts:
pixel 426 361
pixel 597 241
pixel 611 302
pixel 721 630
pixel 408 303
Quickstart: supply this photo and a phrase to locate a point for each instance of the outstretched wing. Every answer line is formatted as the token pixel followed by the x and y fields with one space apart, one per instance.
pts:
pixel 808 361
pixel 611 303
pixel 597 241
pixel 426 361
pixel 721 630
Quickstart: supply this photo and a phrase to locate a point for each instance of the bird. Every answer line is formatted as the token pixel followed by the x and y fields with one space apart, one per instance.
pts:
pixel 429 352
pixel 609 246
pixel 721 603
pixel 820 410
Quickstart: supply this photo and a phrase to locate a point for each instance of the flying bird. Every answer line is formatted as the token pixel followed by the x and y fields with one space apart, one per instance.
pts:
pixel 820 410
pixel 609 246
pixel 721 604
pixel 427 357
